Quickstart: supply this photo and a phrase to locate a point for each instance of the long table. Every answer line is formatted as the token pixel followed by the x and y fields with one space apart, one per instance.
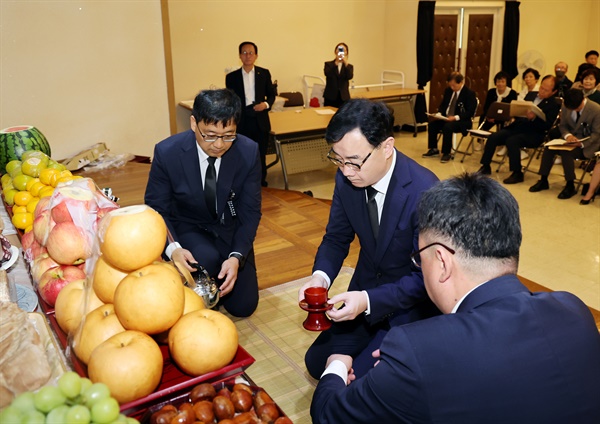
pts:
pixel 404 98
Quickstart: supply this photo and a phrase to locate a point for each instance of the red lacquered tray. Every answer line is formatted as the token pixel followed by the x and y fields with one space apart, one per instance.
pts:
pixel 173 380
pixel 144 414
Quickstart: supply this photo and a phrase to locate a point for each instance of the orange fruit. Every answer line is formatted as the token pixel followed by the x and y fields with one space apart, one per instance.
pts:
pixel 19 209
pixel 22 220
pixel 22 198
pixel 46 175
pixel 32 204
pixel 30 183
pixel 46 191
pixel 36 187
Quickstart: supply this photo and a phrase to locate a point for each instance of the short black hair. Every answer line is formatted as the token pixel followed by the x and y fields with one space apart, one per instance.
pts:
pixel 217 106
pixel 553 80
pixel 592 70
pixel 535 73
pixel 573 98
pixel 375 120
pixel 475 213
pixel 456 77
pixel 243 43
pixel 502 75
pixel 342 44
pixel 591 53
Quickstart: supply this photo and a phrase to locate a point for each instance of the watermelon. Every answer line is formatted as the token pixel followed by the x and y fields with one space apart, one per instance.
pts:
pixel 16 140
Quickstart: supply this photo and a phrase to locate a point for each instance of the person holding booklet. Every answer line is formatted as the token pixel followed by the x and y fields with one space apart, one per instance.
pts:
pixel 580 131
pixel 528 131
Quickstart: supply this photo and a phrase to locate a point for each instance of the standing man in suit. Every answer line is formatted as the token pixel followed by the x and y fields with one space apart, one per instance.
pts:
pixel 255 89
pixel 205 182
pixel 523 132
pixel 580 127
pixel 499 354
pixel 458 106
pixel 375 197
pixel 338 74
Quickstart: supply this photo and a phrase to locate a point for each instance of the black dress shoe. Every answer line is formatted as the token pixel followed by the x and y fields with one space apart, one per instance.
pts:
pixel 431 153
pixel 446 158
pixel 515 177
pixel 539 186
pixel 567 192
pixel 264 184
pixel 485 170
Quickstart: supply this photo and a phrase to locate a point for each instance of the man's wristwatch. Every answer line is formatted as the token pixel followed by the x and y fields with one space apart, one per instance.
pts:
pixel 239 257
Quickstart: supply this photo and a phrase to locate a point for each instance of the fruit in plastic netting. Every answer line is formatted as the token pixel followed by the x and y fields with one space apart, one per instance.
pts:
pixel 70 304
pixel 203 331
pixel 68 244
pixel 99 325
pixel 129 363
pixel 12 165
pixel 106 278
pixel 46 175
pixel 150 299
pixel 74 204
pixel 20 181
pixel 132 237
pixel 33 166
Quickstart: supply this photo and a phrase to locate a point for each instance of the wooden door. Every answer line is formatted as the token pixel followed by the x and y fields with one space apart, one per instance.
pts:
pixel 479 47
pixel 444 57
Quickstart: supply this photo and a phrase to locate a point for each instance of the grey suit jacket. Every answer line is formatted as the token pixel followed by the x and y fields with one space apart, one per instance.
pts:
pixel 588 125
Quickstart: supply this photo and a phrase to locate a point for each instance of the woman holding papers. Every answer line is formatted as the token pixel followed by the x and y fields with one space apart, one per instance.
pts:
pixel 580 130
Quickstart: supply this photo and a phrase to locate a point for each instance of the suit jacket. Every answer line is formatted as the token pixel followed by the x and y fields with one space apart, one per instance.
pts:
pixel 264 91
pixel 588 125
pixel 466 104
pixel 384 268
pixel 550 107
pixel 506 356
pixel 175 190
pixel 337 82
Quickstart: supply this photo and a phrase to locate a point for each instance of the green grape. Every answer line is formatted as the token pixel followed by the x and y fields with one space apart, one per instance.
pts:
pixel 24 402
pixel 10 415
pixel 131 420
pixel 85 384
pixel 48 398
pixel 94 393
pixel 78 414
pixel 70 384
pixel 105 410
pixel 57 415
pixel 121 419
pixel 33 417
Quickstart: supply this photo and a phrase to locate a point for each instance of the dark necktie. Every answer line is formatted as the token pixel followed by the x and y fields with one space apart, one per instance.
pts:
pixel 452 107
pixel 578 116
pixel 372 209
pixel 210 187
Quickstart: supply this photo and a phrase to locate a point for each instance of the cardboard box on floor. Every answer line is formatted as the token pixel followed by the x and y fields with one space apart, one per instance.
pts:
pixel 85 157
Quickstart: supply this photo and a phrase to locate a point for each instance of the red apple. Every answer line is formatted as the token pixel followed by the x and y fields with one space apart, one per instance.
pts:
pixel 27 240
pixel 40 265
pixel 42 225
pixel 73 203
pixel 41 206
pixel 54 279
pixel 103 211
pixel 68 244
pixel 36 250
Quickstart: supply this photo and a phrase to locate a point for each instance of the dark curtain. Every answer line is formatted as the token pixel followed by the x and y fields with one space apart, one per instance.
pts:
pixel 425 29
pixel 510 41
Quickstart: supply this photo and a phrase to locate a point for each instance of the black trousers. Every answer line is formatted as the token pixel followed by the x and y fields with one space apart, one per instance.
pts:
pixel 447 129
pixel 514 141
pixel 250 128
pixel 568 161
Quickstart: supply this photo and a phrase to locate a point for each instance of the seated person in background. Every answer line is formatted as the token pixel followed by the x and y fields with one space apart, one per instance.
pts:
pixel 580 127
pixel 530 83
pixel 458 104
pixel 591 189
pixel 499 354
pixel 591 60
pixel 502 93
pixel 205 182
pixel 589 84
pixel 523 132
pixel 563 83
pixel 338 74
pixel 375 198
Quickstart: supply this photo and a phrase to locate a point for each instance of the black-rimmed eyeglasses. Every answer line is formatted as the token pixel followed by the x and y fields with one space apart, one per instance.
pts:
pixel 211 138
pixel 340 163
pixel 415 257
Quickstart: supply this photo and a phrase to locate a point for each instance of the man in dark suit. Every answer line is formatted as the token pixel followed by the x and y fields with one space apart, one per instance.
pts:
pixel 580 128
pixel 458 108
pixel 338 74
pixel 375 197
pixel 523 132
pixel 499 354
pixel 205 183
pixel 255 89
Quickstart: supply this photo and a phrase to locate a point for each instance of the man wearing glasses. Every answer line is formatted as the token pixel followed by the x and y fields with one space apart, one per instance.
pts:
pixel 500 354
pixel 253 86
pixel 205 183
pixel 375 198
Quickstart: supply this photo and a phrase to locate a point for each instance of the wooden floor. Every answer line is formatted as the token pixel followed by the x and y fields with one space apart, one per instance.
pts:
pixel 290 230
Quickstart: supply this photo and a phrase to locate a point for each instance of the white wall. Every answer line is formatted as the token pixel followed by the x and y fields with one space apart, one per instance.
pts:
pixel 85 71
